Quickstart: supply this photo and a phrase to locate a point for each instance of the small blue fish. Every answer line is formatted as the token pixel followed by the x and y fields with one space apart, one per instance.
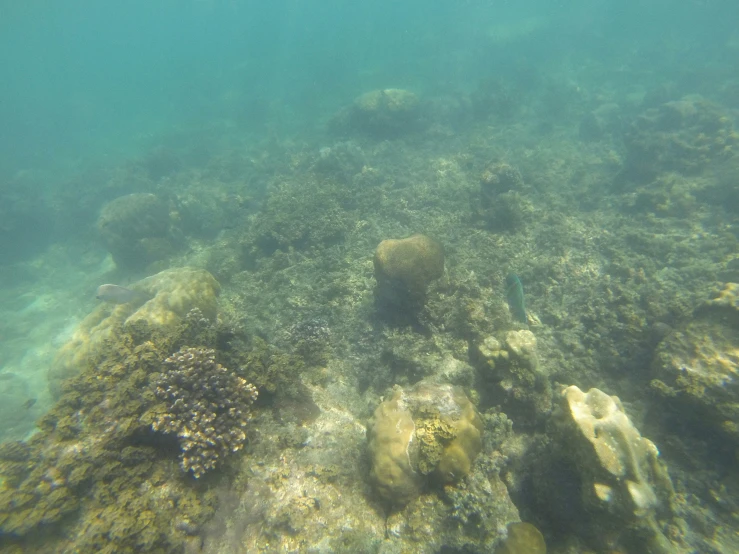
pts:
pixel 514 294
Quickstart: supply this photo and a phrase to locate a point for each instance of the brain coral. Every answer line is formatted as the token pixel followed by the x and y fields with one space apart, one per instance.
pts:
pixel 428 433
pixel 404 268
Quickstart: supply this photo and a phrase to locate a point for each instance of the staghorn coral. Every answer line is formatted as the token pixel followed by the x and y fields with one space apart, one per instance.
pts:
pixel 208 407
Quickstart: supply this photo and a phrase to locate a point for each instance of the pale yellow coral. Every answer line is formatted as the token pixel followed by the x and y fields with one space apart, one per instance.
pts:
pixel 166 298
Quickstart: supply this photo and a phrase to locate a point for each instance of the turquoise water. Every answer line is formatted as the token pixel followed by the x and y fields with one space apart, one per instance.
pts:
pixel 319 203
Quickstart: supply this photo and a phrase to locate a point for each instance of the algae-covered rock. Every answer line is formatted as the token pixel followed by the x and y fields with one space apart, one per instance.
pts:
pixel 695 367
pixel 430 433
pixel 404 268
pixel 623 469
pixel 164 300
pixel 136 230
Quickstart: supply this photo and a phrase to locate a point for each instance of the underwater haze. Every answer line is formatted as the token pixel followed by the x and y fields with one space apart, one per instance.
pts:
pixel 369 277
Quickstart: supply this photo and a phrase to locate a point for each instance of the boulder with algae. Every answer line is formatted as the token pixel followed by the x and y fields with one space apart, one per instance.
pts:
pixel 428 433
pixel 626 496
pixel 696 367
pixel 166 299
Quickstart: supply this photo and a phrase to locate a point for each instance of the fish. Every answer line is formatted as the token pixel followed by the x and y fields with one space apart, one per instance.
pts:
pixel 29 403
pixel 514 295
pixel 116 294
pixel 5 376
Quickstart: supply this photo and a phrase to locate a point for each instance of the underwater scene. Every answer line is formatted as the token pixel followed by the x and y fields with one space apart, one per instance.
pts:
pixel 388 277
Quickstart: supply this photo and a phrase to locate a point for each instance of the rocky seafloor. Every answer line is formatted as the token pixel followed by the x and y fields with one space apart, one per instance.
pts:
pixel 403 405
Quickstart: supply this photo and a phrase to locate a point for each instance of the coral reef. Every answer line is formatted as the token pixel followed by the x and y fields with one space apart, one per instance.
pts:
pixel 502 206
pixel 300 214
pixel 171 294
pixel 514 376
pixel 383 113
pixel 497 179
pixel 91 479
pixel 625 489
pixel 342 160
pixel 136 229
pixel 310 339
pixel 404 268
pixel 681 135
pixel 694 368
pixel 429 433
pixel 603 121
pixel 207 407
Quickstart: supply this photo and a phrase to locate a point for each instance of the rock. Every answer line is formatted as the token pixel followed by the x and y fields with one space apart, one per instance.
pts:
pixel 404 268
pixel 171 295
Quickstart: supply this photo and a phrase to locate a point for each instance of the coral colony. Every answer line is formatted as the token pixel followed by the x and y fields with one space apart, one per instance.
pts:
pixel 208 407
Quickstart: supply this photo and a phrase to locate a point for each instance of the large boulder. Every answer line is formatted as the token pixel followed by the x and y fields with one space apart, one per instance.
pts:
pixel 382 113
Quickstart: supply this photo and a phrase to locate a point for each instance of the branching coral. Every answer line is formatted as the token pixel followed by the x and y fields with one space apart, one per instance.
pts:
pixel 208 407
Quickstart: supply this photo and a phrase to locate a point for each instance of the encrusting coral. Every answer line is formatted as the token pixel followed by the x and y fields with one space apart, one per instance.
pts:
pixel 208 407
